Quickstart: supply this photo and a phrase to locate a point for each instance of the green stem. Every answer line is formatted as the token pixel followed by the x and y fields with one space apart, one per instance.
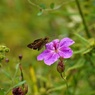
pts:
pixel 65 82
pixel 22 78
pixel 83 19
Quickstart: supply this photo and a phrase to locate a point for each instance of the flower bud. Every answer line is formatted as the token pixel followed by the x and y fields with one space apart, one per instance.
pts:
pixel 20 57
pixel 1 57
pixel 6 60
pixel 18 91
pixel 7 50
pixel 60 67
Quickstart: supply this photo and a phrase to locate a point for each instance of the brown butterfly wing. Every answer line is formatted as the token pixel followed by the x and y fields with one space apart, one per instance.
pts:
pixel 44 41
pixel 36 44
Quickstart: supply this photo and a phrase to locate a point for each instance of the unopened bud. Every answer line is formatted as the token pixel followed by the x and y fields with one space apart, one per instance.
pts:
pixel 7 50
pixel 60 67
pixel 18 91
pixel 7 60
pixel 1 57
pixel 20 57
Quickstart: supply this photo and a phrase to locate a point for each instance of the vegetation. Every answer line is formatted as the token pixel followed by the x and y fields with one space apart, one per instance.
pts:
pixel 23 21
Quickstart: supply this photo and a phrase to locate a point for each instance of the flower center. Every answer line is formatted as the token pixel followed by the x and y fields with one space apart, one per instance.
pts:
pixel 55 48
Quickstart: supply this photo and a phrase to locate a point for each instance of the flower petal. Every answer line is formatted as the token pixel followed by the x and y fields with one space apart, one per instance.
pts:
pixel 65 52
pixel 66 42
pixel 50 45
pixel 55 43
pixel 43 54
pixel 53 57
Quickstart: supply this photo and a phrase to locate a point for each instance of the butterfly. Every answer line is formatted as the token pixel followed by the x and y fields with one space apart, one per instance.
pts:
pixel 38 43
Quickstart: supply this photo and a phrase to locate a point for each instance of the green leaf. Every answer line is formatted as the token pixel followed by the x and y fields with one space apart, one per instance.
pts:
pixel 1 92
pixel 79 64
pixel 43 6
pixel 56 88
pixel 39 13
pixel 17 66
pixel 87 50
pixel 79 51
pixel 82 39
pixel 19 84
pixel 7 74
pixel 52 5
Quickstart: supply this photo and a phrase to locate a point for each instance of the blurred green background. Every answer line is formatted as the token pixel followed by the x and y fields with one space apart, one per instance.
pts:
pixel 21 23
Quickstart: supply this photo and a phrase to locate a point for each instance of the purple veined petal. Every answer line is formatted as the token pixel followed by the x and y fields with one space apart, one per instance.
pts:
pixel 43 54
pixel 50 45
pixel 65 52
pixel 56 43
pixel 66 42
pixel 53 57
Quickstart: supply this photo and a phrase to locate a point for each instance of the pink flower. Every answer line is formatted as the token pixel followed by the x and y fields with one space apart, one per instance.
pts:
pixel 56 49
